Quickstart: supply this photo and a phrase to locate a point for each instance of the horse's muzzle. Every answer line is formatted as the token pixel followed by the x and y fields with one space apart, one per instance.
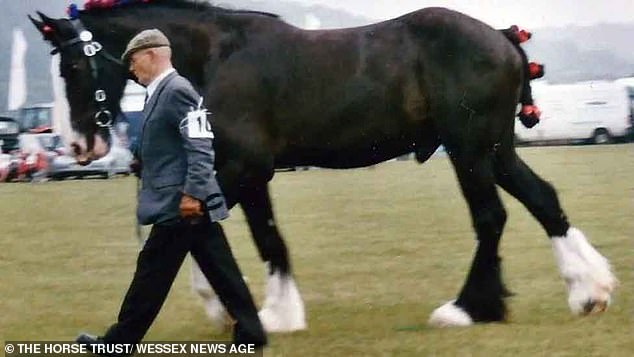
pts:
pixel 86 151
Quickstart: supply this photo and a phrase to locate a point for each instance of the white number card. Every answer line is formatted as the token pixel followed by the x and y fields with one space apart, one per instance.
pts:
pixel 197 124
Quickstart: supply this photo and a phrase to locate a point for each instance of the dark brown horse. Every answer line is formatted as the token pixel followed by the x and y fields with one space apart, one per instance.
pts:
pixel 282 96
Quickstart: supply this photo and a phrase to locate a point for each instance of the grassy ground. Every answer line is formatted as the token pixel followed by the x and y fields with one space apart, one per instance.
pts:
pixel 374 251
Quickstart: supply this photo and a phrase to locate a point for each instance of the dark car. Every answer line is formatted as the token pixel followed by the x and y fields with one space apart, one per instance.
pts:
pixel 36 118
pixel 9 131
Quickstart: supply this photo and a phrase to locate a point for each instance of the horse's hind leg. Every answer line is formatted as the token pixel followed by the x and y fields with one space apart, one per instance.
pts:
pixel 481 298
pixel 283 308
pixel 586 272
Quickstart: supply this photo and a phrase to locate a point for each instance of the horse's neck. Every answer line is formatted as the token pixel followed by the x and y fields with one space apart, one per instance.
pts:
pixel 197 46
pixel 103 29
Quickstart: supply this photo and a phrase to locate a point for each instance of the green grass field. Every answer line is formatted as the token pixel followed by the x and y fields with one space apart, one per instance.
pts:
pixel 374 251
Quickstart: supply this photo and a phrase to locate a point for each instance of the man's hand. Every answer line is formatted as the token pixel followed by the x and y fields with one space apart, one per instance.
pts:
pixel 190 207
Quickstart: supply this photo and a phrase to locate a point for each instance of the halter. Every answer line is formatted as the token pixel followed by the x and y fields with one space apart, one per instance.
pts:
pixel 103 117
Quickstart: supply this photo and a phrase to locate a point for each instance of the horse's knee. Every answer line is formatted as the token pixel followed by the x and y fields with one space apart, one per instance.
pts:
pixel 490 221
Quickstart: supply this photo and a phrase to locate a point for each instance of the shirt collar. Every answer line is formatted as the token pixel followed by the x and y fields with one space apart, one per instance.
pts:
pixel 151 88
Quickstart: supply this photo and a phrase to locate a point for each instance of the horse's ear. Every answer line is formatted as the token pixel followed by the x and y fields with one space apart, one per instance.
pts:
pixel 45 27
pixel 39 25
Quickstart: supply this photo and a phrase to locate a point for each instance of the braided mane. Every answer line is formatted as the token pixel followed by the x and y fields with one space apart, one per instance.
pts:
pixel 101 6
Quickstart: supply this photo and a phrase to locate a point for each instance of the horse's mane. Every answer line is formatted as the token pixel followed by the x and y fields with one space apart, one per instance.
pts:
pixel 97 7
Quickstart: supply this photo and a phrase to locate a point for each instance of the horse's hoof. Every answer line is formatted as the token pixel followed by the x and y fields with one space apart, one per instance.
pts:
pixel 283 309
pixel 280 321
pixel 587 273
pixel 595 307
pixel 586 300
pixel 450 315
pixel 218 317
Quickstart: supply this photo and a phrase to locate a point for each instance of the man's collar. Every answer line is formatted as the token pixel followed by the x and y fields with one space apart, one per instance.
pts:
pixel 151 88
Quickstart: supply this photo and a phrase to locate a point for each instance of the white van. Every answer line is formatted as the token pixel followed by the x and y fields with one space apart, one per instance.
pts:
pixel 597 112
pixel 629 83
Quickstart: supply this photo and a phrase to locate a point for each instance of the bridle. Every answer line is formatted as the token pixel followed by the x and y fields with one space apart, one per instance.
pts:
pixel 103 116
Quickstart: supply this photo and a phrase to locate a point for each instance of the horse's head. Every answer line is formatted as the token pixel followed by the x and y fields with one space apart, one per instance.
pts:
pixel 94 83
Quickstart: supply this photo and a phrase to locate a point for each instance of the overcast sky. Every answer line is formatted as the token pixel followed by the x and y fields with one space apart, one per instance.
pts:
pixel 500 13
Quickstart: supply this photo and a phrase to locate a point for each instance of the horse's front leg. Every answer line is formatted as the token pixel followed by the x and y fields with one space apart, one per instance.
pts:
pixel 283 308
pixel 244 180
pixel 481 298
pixel 215 310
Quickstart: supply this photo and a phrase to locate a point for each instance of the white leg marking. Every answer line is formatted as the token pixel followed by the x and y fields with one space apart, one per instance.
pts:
pixel 586 272
pixel 216 312
pixel 450 315
pixel 283 309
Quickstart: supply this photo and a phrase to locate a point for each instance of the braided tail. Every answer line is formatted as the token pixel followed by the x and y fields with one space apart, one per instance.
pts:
pixel 530 113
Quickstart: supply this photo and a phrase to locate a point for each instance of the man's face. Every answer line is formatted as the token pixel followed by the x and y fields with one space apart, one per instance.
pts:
pixel 141 66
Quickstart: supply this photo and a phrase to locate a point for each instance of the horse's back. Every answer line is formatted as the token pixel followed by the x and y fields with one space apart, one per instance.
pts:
pixel 357 96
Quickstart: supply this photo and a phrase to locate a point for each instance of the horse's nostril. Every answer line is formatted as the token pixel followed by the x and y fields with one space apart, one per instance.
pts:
pixel 76 148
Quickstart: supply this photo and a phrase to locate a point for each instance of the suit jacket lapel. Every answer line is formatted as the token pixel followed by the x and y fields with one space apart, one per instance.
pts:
pixel 151 104
pixel 148 108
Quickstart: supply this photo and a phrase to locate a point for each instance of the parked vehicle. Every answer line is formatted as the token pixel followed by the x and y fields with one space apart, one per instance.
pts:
pixel 31 160
pixel 596 112
pixel 36 118
pixel 629 83
pixel 8 167
pixel 44 155
pixel 30 143
pixel 9 130
pixel 116 162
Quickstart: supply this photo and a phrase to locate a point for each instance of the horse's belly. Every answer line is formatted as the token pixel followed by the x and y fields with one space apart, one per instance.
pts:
pixel 343 157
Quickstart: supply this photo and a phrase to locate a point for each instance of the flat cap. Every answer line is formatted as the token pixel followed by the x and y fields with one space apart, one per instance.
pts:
pixel 145 39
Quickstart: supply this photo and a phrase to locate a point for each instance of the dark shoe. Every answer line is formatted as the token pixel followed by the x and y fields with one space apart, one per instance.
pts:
pixel 257 339
pixel 93 343
pixel 88 340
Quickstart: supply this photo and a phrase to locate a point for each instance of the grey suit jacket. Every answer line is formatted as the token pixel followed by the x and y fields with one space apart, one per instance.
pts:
pixel 172 162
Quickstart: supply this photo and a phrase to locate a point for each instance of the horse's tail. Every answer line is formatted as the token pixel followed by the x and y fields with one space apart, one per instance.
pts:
pixel 529 115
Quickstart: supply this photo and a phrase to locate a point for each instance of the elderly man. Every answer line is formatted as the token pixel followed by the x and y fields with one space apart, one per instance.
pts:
pixel 180 197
